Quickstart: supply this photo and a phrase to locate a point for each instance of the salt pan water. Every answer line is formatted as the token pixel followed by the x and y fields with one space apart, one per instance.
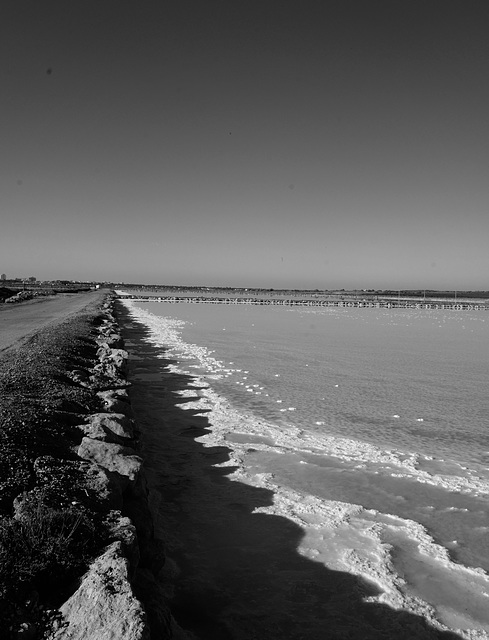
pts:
pixel 377 419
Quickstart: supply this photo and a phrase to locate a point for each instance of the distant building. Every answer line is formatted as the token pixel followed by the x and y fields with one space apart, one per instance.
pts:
pixel 3 277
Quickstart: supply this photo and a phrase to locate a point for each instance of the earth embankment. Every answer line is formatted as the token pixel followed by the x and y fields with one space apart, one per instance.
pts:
pixel 77 551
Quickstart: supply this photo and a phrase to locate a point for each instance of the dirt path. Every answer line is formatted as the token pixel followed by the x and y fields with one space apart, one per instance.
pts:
pixel 19 321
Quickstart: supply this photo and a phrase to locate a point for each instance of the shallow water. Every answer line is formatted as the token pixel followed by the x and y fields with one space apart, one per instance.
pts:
pixel 382 409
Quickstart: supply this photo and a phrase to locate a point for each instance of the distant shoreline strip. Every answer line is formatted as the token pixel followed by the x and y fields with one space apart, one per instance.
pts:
pixel 374 304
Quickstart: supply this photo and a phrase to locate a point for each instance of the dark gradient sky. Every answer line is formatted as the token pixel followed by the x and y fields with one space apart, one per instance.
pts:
pixel 249 143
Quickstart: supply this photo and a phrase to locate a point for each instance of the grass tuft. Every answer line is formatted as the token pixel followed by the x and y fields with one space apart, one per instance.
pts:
pixel 45 549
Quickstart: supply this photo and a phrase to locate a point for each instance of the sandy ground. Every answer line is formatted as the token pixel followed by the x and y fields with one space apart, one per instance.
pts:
pixel 21 320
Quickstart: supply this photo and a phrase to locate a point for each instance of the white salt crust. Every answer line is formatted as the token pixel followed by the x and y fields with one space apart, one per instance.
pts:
pixel 340 535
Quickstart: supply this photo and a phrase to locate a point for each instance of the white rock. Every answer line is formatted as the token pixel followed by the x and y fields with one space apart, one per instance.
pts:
pixel 113 457
pixel 104 606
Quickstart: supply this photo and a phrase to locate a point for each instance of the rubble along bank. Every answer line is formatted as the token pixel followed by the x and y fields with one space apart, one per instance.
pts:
pixel 78 554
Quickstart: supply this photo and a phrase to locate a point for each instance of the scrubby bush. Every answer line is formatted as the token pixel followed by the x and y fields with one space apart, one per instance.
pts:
pixel 44 549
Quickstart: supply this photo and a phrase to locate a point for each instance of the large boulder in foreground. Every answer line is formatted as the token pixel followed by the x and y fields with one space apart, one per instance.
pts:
pixel 110 427
pixel 116 401
pixel 104 606
pixel 120 460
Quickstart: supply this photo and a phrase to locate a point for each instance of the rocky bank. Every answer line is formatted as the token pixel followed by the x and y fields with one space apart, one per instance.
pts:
pixel 78 554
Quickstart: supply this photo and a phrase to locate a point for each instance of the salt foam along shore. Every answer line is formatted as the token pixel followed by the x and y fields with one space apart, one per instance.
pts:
pixel 342 536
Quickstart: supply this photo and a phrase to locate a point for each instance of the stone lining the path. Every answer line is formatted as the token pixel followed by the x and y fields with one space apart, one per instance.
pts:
pixel 69 439
pixel 105 606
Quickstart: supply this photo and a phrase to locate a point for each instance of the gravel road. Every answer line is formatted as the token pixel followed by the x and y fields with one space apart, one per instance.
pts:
pixel 20 320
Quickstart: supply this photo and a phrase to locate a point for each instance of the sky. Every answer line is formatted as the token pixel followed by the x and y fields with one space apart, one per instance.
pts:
pixel 256 143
